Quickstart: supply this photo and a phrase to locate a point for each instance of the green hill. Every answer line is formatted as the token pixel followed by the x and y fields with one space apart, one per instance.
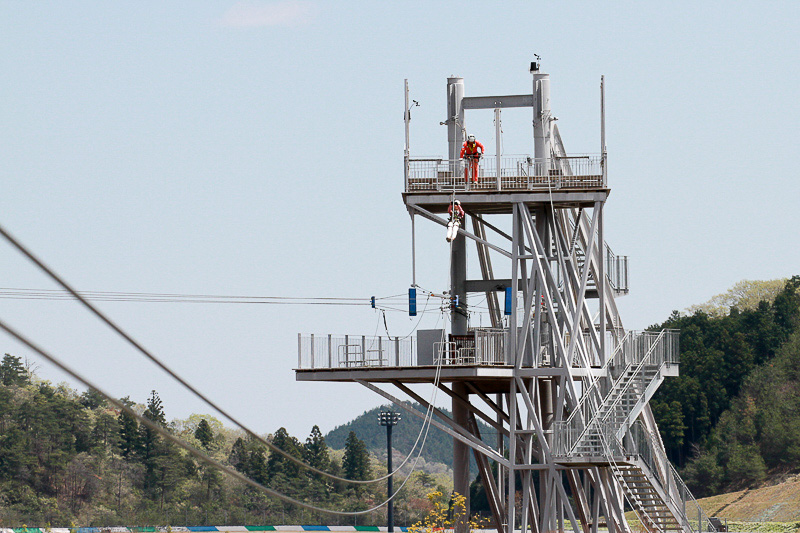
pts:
pixel 732 418
pixel 438 445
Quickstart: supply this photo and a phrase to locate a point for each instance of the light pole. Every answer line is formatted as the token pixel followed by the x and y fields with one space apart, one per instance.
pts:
pixel 389 419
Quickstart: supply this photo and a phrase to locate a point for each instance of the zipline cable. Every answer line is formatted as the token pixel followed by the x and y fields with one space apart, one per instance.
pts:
pixel 22 249
pixel 175 440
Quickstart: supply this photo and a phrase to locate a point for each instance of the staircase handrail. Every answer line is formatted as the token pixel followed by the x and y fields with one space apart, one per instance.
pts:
pixel 638 370
pixel 630 379
pixel 678 498
pixel 688 497
pixel 682 495
pixel 637 509
pixel 596 382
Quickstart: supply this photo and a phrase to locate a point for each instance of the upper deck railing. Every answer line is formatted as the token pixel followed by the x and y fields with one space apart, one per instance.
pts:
pixel 517 173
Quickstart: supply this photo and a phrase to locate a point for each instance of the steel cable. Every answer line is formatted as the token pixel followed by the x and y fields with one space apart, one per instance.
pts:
pixel 22 249
pixel 172 438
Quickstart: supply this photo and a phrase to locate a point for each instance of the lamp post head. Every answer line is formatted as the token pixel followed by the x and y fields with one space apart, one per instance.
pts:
pixel 388 418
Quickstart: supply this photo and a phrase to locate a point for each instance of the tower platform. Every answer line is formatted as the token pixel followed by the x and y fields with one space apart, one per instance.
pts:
pixel 568 181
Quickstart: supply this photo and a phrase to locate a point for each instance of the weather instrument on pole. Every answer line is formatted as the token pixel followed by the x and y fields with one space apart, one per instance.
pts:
pixel 557 377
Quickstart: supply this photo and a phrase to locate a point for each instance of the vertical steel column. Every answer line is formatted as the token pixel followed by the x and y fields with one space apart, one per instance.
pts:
pixel 542 126
pixel 407 151
pixel 461 450
pixel 455 117
pixel 389 487
pixel 458 276
pixel 413 251
pixel 512 457
pixel 603 129
pixel 511 351
pixel 500 444
pixel 601 282
pixel 458 263
pixel 499 146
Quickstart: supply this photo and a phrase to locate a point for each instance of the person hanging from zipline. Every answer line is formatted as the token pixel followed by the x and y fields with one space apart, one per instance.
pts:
pixel 456 218
pixel 472 151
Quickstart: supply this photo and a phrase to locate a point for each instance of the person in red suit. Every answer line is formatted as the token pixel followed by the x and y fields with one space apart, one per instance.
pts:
pixel 472 150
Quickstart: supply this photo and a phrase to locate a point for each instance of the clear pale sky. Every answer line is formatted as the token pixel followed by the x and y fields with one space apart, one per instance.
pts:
pixel 255 148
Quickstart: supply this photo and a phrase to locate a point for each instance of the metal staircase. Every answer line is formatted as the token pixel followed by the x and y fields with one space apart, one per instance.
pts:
pixel 604 427
pixel 651 485
pixel 635 369
pixel 646 497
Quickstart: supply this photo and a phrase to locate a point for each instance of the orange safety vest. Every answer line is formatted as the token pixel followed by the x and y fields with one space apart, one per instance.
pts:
pixel 471 148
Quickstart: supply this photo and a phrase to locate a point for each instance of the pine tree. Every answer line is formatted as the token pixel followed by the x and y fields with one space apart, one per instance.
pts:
pixel 204 434
pixel 91 399
pixel 155 410
pixel 257 463
pixel 238 456
pixel 356 458
pixel 162 461
pixel 128 431
pixel 12 372
pixel 277 463
pixel 316 451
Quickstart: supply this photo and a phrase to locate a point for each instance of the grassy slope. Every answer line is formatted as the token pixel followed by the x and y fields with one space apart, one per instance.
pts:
pixel 773 509
pixel 777 503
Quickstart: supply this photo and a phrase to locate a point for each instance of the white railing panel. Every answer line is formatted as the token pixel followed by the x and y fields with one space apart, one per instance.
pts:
pixel 354 351
pixel 485 347
pixel 516 173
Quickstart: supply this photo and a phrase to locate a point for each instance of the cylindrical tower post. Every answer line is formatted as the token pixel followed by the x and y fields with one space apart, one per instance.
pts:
pixel 455 116
pixel 389 487
pixel 542 126
pixel 458 276
pixel 458 264
pixel 407 150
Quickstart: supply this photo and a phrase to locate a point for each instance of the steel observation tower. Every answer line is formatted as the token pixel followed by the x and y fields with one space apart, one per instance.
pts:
pixel 556 376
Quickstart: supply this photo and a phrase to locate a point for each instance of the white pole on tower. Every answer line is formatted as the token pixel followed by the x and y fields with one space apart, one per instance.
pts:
pixel 499 145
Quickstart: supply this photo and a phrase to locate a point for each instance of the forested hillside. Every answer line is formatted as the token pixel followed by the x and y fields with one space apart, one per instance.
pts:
pixel 69 458
pixel 733 415
pixel 731 420
pixel 438 444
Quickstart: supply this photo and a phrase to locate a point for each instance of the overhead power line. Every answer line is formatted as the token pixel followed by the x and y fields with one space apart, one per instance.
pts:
pixel 172 438
pixel 15 293
pixel 162 365
pixel 75 294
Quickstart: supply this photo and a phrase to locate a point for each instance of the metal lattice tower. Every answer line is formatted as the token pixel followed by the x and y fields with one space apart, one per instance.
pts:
pixel 557 377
